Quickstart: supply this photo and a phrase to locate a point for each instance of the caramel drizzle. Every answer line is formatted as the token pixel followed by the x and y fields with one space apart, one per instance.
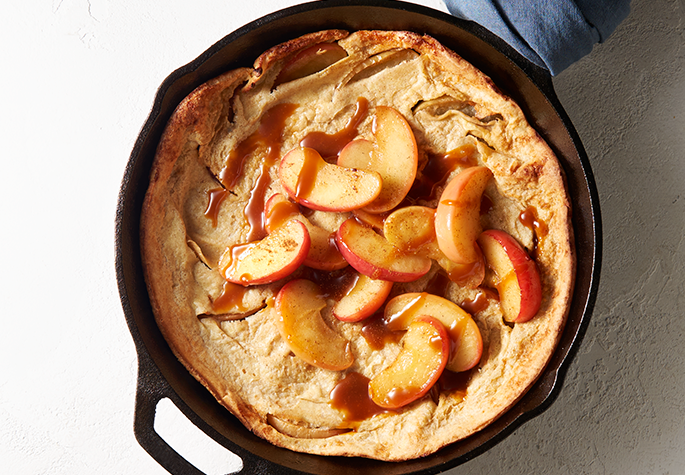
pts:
pixel 529 218
pixel 438 167
pixel 310 169
pixel 333 284
pixel 377 333
pixel 330 145
pixel 351 396
pixel 456 384
pixel 477 304
pixel 230 302
pixel 267 139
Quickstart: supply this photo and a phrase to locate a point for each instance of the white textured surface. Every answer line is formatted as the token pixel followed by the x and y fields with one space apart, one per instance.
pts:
pixel 78 78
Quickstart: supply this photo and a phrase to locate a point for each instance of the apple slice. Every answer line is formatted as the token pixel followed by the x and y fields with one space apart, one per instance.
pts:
pixel 364 298
pixel 424 354
pixel 323 254
pixel 412 229
pixel 393 154
pixel 467 343
pixel 372 255
pixel 310 60
pixel 457 217
pixel 517 276
pixel 270 259
pixel 298 305
pixel 357 154
pixel 320 185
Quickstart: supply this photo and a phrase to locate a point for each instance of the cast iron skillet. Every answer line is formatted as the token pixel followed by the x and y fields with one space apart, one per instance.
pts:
pixel 160 373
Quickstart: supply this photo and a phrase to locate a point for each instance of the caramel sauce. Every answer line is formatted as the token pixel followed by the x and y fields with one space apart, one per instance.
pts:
pixel 230 300
pixel 216 197
pixel 281 213
pixel 464 155
pixel 351 396
pixel 454 383
pixel 438 285
pixel 310 169
pixel 529 218
pixel 267 139
pixel 437 169
pixel 333 284
pixel 377 333
pixel 330 145
pixel 237 252
pixel 463 273
pixel 477 304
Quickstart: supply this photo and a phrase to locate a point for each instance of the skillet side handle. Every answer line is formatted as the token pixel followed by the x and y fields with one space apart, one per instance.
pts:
pixel 151 389
pixel 149 392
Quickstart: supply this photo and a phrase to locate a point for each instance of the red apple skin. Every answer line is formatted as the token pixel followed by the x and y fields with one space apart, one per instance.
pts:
pixel 526 274
pixel 243 272
pixel 457 216
pixel 395 394
pixel 372 255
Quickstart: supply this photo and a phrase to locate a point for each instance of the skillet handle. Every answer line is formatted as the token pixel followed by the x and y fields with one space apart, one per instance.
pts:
pixel 148 393
pixel 151 389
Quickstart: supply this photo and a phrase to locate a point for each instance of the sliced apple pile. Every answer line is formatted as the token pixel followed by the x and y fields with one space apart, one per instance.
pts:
pixel 299 304
pixel 424 354
pixel 385 243
pixel 516 276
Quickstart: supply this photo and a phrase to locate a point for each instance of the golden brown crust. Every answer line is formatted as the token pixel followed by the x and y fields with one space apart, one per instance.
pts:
pixel 244 362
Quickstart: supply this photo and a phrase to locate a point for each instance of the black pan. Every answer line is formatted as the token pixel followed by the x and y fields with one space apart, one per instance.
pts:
pixel 160 373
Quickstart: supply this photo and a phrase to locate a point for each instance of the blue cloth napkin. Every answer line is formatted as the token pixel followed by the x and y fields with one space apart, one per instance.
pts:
pixel 551 33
